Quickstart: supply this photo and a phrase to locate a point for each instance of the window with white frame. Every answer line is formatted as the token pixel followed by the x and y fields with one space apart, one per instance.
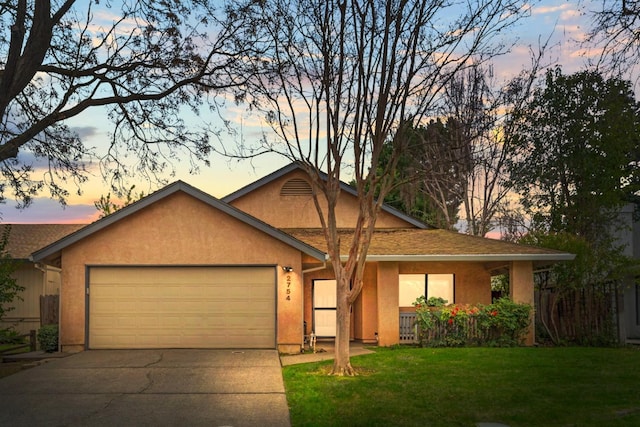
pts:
pixel 412 286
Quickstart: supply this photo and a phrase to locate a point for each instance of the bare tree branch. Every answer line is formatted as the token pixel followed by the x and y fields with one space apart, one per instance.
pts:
pixel 58 60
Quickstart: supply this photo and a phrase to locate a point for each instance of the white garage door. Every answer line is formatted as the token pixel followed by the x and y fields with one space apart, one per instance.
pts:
pixel 182 307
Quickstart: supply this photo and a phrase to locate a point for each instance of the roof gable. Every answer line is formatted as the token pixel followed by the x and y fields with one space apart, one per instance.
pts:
pixel 178 186
pixel 295 166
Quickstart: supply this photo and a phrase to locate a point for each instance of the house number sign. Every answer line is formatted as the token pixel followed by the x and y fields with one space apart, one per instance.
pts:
pixel 288 287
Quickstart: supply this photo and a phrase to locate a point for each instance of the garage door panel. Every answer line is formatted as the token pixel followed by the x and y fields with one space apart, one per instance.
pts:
pixel 171 307
pixel 167 275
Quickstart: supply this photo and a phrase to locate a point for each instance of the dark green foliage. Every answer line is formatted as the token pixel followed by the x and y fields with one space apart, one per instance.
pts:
pixel 579 145
pixel 594 263
pixel 9 288
pixel 48 338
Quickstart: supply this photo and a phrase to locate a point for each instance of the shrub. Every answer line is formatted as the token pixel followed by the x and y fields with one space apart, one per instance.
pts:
pixel 10 336
pixel 436 302
pixel 503 323
pixel 48 338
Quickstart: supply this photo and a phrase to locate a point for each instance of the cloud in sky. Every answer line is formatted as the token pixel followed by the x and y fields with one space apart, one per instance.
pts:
pixel 44 210
pixel 551 9
pixel 85 131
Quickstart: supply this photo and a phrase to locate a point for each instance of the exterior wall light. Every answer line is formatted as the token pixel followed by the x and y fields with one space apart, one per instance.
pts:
pixel 287 268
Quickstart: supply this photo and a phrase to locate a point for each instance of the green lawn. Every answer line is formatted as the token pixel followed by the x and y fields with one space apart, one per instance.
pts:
pixel 463 386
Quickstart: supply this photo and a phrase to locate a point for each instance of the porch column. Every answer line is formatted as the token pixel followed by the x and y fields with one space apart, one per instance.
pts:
pixel 388 304
pixel 521 291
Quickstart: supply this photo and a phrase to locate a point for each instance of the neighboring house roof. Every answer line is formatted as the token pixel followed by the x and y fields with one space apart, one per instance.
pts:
pixel 343 186
pixel 24 239
pixel 436 245
pixel 162 193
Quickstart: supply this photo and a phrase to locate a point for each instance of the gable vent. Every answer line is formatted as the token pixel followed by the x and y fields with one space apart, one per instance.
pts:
pixel 296 187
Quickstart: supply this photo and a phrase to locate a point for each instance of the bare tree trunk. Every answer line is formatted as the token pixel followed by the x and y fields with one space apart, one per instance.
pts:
pixel 342 362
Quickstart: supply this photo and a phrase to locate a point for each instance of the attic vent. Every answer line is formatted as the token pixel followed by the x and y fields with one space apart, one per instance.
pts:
pixel 296 187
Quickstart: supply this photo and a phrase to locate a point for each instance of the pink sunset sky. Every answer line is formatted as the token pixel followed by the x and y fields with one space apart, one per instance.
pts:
pixel 559 19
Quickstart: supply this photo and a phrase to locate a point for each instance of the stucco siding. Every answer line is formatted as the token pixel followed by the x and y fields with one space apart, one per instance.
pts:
pixel 178 230
pixel 388 303
pixel 366 307
pixel 299 211
pixel 522 291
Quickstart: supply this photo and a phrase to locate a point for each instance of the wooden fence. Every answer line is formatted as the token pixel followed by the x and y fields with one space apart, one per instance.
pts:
pixel 585 316
pixel 14 349
pixel 462 332
pixel 49 307
pixel 408 328
pixel 441 332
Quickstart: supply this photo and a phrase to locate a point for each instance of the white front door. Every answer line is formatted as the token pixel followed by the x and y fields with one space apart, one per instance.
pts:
pixel 324 308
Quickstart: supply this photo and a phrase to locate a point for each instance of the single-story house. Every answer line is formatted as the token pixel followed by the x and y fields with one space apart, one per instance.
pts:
pixel 182 269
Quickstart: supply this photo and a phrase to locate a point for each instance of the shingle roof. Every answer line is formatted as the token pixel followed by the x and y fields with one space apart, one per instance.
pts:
pixel 417 244
pixel 24 239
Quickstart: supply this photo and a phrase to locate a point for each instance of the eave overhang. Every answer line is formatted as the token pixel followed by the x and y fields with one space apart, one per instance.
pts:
pixel 469 257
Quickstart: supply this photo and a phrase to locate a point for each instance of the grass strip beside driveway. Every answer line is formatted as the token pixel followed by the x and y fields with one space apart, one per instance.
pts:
pixel 570 386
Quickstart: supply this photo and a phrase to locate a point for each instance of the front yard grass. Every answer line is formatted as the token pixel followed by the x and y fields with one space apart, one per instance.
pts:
pixel 568 386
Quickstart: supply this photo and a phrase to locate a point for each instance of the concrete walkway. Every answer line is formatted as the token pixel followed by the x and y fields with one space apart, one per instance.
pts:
pixel 325 350
pixel 149 387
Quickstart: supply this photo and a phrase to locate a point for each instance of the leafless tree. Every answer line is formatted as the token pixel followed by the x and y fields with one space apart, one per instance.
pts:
pixel 484 109
pixel 348 75
pixel 142 62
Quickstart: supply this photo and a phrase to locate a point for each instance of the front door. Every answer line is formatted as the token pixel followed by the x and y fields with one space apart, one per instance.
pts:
pixel 324 308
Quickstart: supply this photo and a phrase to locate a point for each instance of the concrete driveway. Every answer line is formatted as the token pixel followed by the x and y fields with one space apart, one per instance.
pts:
pixel 149 387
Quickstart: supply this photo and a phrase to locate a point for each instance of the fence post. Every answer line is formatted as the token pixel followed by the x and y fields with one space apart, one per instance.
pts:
pixel 32 340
